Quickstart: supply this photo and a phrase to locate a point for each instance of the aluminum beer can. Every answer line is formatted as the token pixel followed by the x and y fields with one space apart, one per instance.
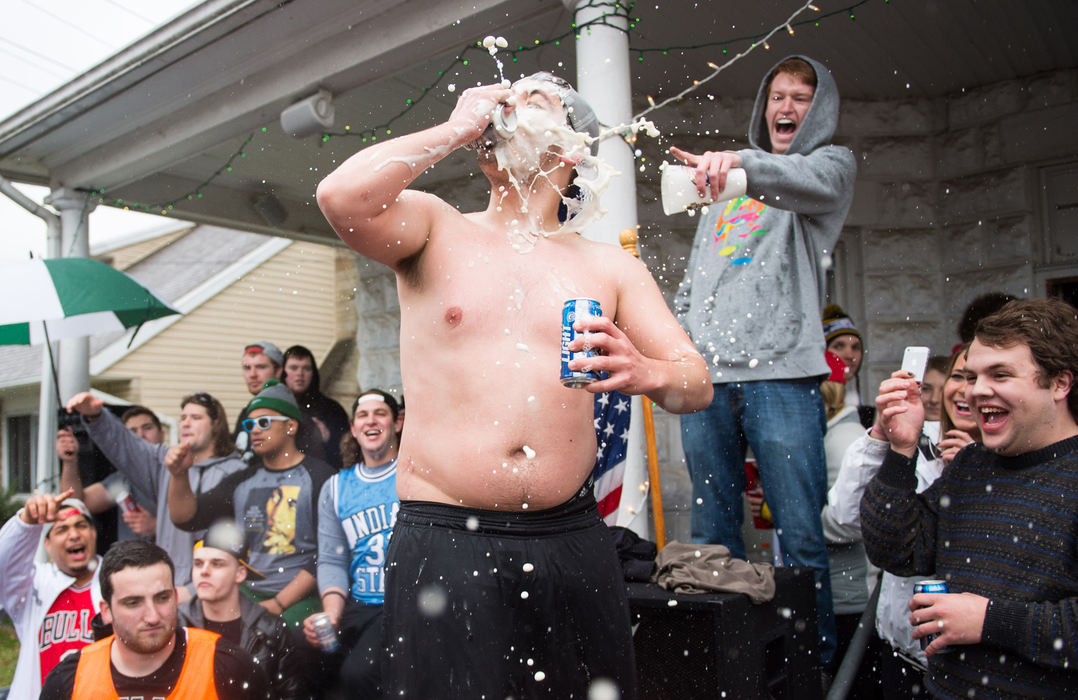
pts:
pixel 931 586
pixel 501 128
pixel 574 309
pixel 327 636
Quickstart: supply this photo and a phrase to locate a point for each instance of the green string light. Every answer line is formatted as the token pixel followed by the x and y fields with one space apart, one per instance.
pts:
pixel 370 135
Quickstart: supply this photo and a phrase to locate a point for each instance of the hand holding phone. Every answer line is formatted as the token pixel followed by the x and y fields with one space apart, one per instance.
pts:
pixel 914 360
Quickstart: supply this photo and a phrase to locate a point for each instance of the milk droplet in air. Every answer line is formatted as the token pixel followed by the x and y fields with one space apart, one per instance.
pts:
pixel 432 601
pixel 603 689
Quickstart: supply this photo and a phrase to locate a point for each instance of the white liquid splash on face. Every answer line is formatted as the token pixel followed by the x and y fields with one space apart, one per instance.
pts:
pixel 542 143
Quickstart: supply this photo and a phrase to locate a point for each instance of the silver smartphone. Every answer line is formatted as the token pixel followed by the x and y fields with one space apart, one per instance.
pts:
pixel 914 360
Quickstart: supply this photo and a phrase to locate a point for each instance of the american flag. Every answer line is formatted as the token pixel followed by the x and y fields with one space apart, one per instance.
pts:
pixel 612 411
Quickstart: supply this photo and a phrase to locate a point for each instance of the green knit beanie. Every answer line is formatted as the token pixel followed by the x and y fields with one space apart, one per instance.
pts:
pixel 276 397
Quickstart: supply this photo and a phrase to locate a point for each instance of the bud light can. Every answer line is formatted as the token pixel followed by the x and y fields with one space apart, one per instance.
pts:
pixel 327 636
pixel 574 309
pixel 931 586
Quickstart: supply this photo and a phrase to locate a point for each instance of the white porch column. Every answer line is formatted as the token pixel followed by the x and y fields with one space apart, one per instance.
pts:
pixel 47 402
pixel 74 208
pixel 602 78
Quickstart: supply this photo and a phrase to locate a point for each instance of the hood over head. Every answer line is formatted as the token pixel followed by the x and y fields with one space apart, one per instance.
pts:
pixel 820 120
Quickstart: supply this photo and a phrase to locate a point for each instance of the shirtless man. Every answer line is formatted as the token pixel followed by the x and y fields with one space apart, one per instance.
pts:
pixel 501 578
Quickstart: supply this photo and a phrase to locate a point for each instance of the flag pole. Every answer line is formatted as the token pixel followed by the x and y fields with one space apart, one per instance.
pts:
pixel 628 242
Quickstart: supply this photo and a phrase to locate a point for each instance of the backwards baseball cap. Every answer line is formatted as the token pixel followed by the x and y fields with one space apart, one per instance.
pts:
pixel 69 507
pixel 276 397
pixel 837 322
pixel 227 536
pixel 579 113
pixel 266 348
pixel 377 395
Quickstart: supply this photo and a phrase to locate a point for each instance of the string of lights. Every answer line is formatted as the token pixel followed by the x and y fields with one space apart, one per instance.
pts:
pixel 611 11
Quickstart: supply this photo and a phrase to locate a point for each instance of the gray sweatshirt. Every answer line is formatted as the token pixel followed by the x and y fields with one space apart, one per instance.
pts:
pixel 144 466
pixel 750 298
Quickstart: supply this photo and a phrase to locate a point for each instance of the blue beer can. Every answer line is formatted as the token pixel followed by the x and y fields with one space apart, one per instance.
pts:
pixel 574 309
pixel 931 586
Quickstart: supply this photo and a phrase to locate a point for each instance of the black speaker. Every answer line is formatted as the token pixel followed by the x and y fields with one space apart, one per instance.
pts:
pixel 720 645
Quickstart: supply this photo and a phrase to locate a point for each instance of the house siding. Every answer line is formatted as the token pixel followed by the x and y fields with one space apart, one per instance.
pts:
pixel 291 298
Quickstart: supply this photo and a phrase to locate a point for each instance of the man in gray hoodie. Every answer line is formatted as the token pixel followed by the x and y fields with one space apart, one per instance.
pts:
pixel 750 300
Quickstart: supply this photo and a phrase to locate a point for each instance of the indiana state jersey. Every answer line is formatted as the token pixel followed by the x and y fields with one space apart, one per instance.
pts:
pixel 366 505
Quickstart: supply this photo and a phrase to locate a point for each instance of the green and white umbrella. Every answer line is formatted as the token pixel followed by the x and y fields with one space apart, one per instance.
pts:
pixel 47 299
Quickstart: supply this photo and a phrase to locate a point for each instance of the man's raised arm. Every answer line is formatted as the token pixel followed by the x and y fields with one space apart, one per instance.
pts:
pixel 365 199
pixel 644 349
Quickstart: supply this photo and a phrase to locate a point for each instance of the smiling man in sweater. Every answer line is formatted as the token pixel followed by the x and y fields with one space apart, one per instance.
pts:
pixel 1001 522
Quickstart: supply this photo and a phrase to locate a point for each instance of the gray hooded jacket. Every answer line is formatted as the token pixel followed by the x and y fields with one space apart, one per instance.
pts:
pixel 750 298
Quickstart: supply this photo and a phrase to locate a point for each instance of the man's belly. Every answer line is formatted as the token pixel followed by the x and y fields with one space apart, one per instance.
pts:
pixel 496 461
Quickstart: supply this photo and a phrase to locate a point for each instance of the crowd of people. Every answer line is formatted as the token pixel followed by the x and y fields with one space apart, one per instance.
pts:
pixel 219 540
pixel 291 558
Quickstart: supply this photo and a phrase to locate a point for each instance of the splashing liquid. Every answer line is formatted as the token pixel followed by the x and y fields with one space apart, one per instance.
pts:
pixel 492 44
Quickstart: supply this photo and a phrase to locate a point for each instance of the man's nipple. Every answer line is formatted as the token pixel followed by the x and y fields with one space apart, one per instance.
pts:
pixel 453 316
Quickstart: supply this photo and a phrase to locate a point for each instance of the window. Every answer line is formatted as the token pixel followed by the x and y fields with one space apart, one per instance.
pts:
pixel 21 440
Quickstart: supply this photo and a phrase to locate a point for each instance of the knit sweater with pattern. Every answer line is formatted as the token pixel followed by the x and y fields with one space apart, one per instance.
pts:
pixel 1005 528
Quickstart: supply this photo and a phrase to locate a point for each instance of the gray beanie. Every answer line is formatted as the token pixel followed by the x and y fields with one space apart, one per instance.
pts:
pixel 266 348
pixel 276 397
pixel 579 113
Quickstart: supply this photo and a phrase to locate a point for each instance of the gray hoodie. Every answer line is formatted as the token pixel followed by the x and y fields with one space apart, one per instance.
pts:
pixel 750 298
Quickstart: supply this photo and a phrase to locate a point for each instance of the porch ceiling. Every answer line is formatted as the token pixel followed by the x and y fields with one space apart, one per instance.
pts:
pixel 160 120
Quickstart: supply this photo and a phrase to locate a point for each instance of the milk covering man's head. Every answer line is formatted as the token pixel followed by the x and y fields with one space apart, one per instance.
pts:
pixel 573 135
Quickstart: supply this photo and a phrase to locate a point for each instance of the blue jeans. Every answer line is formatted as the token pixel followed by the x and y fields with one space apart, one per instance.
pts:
pixel 784 423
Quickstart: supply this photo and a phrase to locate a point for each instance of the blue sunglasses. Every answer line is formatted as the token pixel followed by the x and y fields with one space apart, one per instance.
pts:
pixel 263 422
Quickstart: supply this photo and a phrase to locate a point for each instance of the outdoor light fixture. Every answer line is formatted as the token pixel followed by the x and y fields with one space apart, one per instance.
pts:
pixel 311 115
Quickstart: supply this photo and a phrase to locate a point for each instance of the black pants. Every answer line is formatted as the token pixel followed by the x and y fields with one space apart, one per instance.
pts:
pixel 485 604
pixel 902 679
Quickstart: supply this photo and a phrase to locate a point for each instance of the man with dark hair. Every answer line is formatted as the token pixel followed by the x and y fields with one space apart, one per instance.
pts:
pixel 999 525
pixel 275 497
pixel 143 422
pixel 325 418
pixel 494 494
pixel 50 603
pixel 149 654
pixel 220 566
pixel 750 300
pixel 203 434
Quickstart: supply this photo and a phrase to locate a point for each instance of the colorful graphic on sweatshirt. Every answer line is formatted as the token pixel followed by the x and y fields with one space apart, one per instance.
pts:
pixel 741 214
pixel 280 532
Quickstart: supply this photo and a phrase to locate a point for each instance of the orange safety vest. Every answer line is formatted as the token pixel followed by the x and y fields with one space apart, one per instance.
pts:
pixel 93 676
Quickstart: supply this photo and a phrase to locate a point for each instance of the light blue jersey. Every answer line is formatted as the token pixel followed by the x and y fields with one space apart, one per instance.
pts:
pixel 357 510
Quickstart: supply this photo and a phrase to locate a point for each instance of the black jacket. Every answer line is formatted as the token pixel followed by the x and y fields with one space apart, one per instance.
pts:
pixel 266 638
